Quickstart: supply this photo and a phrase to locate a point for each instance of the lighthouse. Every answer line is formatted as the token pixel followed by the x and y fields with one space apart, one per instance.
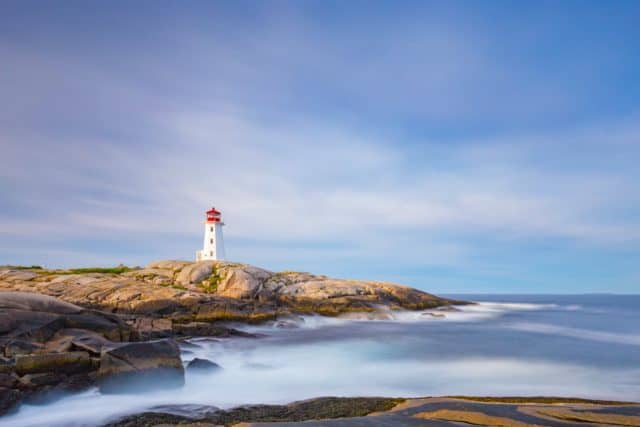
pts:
pixel 213 248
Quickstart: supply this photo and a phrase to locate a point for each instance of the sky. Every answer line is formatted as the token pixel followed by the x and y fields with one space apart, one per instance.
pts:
pixel 455 146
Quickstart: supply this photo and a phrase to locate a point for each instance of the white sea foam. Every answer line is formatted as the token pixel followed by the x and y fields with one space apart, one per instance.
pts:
pixel 462 313
pixel 255 373
pixel 324 356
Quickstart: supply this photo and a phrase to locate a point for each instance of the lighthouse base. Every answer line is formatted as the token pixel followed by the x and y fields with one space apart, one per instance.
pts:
pixel 206 256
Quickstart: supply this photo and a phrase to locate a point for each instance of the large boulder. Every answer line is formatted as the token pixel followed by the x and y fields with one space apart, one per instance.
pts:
pixel 140 365
pixel 195 273
pixel 35 302
pixel 36 318
pixel 243 282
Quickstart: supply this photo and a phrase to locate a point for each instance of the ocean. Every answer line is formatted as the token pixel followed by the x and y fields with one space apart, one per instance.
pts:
pixel 506 345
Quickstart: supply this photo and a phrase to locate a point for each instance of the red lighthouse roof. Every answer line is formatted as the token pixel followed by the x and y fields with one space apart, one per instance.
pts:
pixel 213 215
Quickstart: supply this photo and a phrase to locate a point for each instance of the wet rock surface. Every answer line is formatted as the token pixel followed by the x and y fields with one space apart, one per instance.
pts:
pixel 321 408
pixel 374 411
pixel 138 366
pixel 51 347
pixel 202 365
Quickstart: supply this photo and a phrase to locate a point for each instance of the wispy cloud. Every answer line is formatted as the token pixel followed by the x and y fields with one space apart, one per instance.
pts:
pixel 300 180
pixel 430 139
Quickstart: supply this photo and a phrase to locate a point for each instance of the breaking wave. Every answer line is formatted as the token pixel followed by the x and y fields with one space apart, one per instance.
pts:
pixel 462 313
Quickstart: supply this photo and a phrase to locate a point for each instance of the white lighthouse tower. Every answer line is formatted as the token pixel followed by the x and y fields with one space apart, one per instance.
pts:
pixel 213 248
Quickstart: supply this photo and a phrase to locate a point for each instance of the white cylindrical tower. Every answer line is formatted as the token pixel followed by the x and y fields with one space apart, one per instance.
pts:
pixel 213 248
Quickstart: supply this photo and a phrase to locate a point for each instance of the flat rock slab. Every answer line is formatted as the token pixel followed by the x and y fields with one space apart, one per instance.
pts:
pixel 83 339
pixel 454 412
pixel 432 412
pixel 68 363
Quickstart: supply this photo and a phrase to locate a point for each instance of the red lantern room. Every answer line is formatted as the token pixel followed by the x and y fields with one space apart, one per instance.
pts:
pixel 213 215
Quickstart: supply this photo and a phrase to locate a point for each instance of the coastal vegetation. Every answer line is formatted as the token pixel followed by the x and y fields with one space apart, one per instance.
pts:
pixel 210 284
pixel 85 270
pixel 21 267
pixel 105 270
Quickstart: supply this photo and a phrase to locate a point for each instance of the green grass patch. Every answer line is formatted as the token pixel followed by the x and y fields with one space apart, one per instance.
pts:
pixel 22 267
pixel 109 270
pixel 210 285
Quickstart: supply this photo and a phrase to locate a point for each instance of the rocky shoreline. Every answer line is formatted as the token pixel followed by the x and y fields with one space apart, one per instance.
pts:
pixel 122 330
pixel 62 331
pixel 379 411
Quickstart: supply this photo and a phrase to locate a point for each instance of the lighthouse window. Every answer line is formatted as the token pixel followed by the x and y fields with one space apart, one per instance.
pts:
pixel 211 241
pixel 211 228
pixel 211 253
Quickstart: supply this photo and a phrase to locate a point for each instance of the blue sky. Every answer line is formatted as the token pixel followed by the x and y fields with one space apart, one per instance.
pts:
pixel 453 146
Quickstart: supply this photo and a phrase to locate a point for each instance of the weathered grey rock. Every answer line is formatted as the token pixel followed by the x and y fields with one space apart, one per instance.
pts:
pixel 9 398
pixel 36 302
pixel 195 273
pixel 70 362
pixel 5 365
pixel 207 329
pixel 150 328
pixel 36 318
pixel 8 380
pixel 46 378
pixel 80 279
pixel 202 365
pixel 157 276
pixel 140 365
pixel 30 325
pixel 15 347
pixel 168 264
pixel 243 283
pixel 15 275
pixel 43 335
pixel 82 339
